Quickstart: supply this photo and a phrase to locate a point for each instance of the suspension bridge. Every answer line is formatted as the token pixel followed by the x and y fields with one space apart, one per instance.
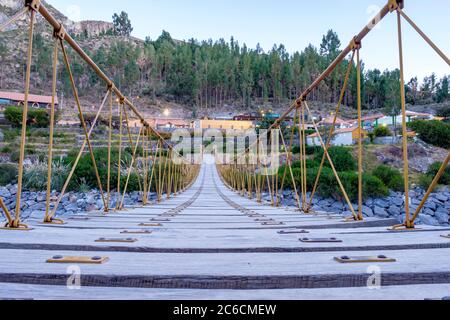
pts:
pixel 209 233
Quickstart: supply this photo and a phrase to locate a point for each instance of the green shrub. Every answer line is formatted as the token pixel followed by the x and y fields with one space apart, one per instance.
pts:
pixel 8 174
pixel 374 187
pixel 85 169
pixel 14 156
pixel 11 135
pixel 6 149
pixel 329 187
pixel 133 183
pixel 436 133
pixel 309 164
pixel 295 149
pixel 382 131
pixel 391 177
pixel 342 158
pixel 310 150
pixel 425 181
pixel 443 112
pixel 433 171
pixel 37 118
pixel 35 177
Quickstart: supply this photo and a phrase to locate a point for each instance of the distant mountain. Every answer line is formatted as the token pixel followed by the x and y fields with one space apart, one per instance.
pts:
pixel 91 28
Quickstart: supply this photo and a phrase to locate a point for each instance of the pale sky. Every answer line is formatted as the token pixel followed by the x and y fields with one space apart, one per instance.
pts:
pixel 294 23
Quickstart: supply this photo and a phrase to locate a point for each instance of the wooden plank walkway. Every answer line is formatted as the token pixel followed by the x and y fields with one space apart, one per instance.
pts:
pixel 220 246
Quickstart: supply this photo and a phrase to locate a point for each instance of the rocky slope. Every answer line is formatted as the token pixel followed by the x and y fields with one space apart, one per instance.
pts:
pixel 92 28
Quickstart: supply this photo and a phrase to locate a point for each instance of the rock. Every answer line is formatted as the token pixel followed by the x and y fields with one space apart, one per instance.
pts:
pixel 38 206
pixel 442 198
pixel 290 203
pixel 37 214
pixel 397 202
pixel 90 199
pixel 394 211
pixel 336 206
pixel 380 212
pixel 317 208
pixel 91 207
pixel 347 214
pixel 324 203
pixel 71 207
pixel 442 216
pixel 368 212
pixel 287 193
pixel 81 203
pixel 428 220
pixel 430 205
pixel 428 212
pixel 381 203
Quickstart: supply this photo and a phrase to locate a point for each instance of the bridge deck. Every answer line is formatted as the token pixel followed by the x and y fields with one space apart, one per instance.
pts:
pixel 213 249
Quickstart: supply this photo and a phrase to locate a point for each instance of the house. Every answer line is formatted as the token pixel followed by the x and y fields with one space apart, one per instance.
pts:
pixel 205 124
pixel 163 124
pixel 170 124
pixel 34 101
pixel 383 120
pixel 369 121
pixel 339 123
pixel 341 137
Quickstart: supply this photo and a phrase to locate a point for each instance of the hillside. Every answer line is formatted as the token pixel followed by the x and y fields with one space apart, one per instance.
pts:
pixel 193 78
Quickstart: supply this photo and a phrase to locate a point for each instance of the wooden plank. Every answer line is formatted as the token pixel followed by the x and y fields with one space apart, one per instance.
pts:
pixel 234 282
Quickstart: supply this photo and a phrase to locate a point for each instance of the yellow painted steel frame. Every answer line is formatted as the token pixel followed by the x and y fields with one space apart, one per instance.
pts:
pixel 177 179
pixel 355 45
pixel 332 128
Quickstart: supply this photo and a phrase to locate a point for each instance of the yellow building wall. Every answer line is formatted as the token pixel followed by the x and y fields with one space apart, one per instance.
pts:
pixel 226 124
pixel 356 136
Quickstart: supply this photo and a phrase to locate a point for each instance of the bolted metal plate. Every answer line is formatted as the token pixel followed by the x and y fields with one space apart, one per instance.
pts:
pixel 81 260
pixel 121 240
pixel 53 222
pixel 150 225
pixel 403 229
pixel 17 229
pixel 272 223
pixel 292 232
pixel 373 259
pixel 79 218
pixel 136 232
pixel 320 240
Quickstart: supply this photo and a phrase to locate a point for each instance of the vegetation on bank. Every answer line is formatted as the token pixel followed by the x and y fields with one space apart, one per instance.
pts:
pixel 37 118
pixel 208 74
pixel 436 133
pixel 346 166
pixel 376 182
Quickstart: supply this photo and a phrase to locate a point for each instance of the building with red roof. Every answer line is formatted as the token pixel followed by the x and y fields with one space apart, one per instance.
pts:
pixel 18 99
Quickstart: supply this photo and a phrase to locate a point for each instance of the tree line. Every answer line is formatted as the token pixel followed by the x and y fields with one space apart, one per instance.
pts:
pixel 210 74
